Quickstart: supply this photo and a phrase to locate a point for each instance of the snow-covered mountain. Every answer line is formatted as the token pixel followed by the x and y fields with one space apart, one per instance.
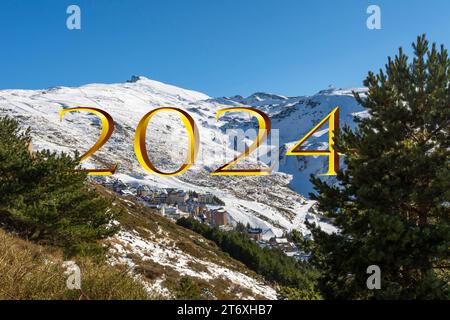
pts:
pixel 274 203
pixel 294 117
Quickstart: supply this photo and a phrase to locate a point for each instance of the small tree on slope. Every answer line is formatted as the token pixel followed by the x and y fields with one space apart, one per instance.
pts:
pixel 391 202
pixel 43 199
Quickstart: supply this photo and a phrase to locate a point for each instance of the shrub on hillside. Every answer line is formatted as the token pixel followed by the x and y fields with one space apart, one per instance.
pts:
pixel 43 198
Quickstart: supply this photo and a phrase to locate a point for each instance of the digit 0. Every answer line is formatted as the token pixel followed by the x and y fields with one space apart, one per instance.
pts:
pixel 141 149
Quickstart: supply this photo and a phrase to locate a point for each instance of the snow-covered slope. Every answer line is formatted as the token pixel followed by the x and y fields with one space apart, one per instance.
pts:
pixel 294 117
pixel 273 202
pixel 158 253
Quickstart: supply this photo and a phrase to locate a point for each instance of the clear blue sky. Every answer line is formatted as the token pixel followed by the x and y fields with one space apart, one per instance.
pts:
pixel 218 47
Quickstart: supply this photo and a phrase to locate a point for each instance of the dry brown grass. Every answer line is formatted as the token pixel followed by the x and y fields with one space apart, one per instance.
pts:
pixel 32 272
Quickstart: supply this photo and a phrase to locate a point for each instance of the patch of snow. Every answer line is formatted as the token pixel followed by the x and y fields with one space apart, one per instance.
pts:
pixel 126 243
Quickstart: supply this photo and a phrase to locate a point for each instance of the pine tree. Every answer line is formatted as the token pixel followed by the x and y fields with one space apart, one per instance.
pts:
pixel 43 197
pixel 391 202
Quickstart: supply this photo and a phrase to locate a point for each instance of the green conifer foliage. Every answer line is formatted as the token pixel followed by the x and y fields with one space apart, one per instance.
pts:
pixel 391 202
pixel 44 199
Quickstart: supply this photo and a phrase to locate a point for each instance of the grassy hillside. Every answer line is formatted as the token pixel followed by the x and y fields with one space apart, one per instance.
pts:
pixel 163 253
pixel 150 258
pixel 30 271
